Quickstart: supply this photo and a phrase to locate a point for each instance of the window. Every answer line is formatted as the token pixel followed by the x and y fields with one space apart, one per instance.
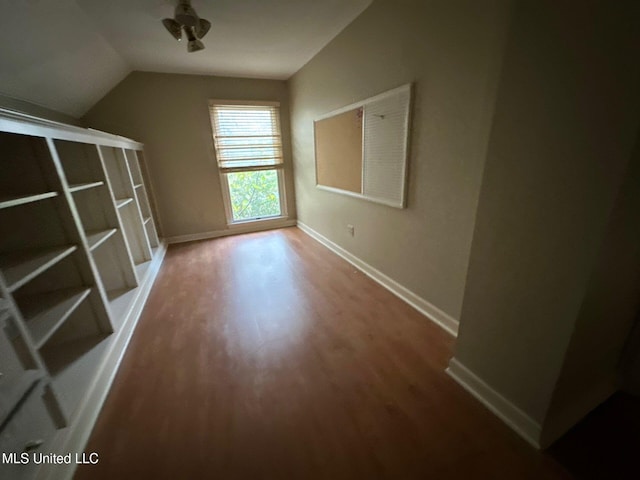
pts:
pixel 248 146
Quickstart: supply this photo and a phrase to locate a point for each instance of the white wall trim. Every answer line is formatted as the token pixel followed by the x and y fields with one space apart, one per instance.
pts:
pixel 515 418
pixel 429 310
pixel 249 227
pixel 74 438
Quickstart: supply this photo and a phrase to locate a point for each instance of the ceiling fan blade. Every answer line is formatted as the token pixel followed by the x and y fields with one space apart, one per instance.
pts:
pixel 173 27
pixel 202 27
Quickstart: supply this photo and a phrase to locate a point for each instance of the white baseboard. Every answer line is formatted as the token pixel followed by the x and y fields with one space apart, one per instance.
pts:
pixel 234 230
pixel 515 418
pixel 75 437
pixel 429 310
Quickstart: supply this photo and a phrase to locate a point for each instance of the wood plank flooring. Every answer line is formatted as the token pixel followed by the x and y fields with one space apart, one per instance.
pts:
pixel 266 356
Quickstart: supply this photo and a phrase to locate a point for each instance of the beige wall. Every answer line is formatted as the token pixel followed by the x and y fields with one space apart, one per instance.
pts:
pixel 169 114
pixel 451 50
pixel 566 118
pixel 36 110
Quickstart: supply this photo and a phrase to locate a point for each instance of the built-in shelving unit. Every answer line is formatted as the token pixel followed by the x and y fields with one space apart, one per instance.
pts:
pixel 79 251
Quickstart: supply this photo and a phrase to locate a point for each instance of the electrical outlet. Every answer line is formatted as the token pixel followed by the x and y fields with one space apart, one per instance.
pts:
pixel 350 229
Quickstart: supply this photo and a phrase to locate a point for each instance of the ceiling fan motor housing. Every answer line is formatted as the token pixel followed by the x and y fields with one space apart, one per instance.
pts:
pixel 186 15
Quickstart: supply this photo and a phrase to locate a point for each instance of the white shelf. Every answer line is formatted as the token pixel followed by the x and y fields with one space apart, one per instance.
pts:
pixel 21 267
pixel 121 202
pixel 76 187
pixel 45 313
pixel 97 238
pixel 21 200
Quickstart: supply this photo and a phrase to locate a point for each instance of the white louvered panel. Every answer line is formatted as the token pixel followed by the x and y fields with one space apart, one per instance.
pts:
pixel 385 147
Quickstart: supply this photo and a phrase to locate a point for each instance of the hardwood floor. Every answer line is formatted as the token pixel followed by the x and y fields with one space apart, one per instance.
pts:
pixel 266 356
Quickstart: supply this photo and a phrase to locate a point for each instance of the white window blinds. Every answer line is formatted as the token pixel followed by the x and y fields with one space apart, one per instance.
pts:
pixel 246 135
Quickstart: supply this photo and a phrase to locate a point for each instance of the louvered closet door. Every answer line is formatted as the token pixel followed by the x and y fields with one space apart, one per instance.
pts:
pixel 385 147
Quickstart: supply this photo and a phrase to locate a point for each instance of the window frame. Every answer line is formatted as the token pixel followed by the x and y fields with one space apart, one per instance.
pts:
pixel 222 172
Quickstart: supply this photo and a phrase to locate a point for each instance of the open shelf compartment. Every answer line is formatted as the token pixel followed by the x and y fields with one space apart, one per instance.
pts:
pixel 46 312
pixel 81 164
pixel 102 229
pixel 142 197
pixel 28 174
pixel 37 240
pixel 23 266
pixel 106 257
pixel 72 355
pixel 49 300
pixel 135 233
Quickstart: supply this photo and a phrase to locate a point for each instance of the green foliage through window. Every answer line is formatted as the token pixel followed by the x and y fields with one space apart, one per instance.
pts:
pixel 254 194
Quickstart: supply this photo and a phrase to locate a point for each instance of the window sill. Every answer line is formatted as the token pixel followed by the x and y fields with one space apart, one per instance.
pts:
pixel 259 221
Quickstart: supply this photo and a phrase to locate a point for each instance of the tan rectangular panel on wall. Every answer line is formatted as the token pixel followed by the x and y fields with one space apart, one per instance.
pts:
pixel 338 143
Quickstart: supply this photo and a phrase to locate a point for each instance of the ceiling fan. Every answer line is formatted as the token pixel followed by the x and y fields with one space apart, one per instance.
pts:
pixel 185 18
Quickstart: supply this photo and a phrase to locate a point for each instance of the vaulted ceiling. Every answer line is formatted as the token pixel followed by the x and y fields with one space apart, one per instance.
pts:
pixel 67 54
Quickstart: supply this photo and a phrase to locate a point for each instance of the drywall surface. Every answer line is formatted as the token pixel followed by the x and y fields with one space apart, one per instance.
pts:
pixel 566 118
pixel 451 51
pixel 169 113
pixel 591 368
pixel 52 54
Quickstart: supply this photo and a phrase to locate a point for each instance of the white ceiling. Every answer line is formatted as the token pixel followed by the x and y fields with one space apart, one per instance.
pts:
pixel 67 54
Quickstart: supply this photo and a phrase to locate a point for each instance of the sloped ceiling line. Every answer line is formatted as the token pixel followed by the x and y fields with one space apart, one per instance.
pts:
pixel 65 55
